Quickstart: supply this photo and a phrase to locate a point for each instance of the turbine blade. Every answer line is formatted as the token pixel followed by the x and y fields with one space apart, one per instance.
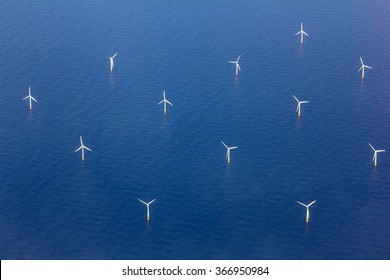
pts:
pixel 232 148
pixel 160 102
pixel 81 141
pixel 380 151
pixel 152 201
pixel 361 61
pixel 232 62
pixel 169 102
pixel 302 203
pixel 302 102
pixel 360 68
pixel 371 147
pixel 298 33
pixel 88 148
pixel 305 33
pixel 311 203
pixel 26 97
pixel 238 66
pixel 296 98
pixel 369 67
pixel 114 55
pixel 142 201
pixel 224 145
pixel 78 149
pixel 34 99
pixel 238 58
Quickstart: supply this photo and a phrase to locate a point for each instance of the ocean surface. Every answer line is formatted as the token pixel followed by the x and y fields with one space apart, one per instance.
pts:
pixel 54 206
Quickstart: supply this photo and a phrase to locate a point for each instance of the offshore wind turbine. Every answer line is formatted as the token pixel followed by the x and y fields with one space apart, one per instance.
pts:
pixel 112 61
pixel 165 103
pixel 307 209
pixel 29 96
pixel 374 158
pixel 362 67
pixel 147 208
pixel 82 147
pixel 302 33
pixel 237 65
pixel 228 151
pixel 299 105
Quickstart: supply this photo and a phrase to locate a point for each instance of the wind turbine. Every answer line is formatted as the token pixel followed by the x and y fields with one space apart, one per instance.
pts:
pixel 362 67
pixel 299 105
pixel 237 66
pixel 302 33
pixel 165 103
pixel 112 62
pixel 307 209
pixel 147 208
pixel 29 96
pixel 82 147
pixel 374 159
pixel 228 151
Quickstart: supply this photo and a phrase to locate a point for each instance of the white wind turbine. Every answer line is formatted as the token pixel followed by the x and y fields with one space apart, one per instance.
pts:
pixel 228 151
pixel 112 62
pixel 302 33
pixel 374 159
pixel 147 208
pixel 362 67
pixel 29 96
pixel 237 65
pixel 82 147
pixel 307 209
pixel 165 103
pixel 299 105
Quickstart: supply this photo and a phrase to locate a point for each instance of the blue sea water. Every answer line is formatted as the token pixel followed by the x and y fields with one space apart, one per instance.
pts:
pixel 53 206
